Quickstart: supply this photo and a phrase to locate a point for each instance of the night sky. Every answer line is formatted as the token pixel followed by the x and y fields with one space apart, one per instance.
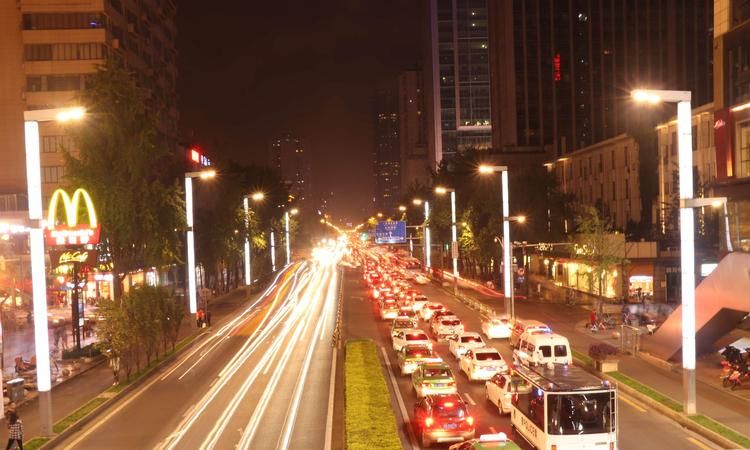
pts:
pixel 250 70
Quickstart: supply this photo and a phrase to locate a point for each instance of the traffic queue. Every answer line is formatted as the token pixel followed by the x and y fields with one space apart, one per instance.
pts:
pixel 440 414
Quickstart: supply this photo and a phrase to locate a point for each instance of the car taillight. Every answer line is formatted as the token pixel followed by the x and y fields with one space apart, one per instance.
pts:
pixel 611 446
pixel 470 420
pixel 554 447
pixel 429 421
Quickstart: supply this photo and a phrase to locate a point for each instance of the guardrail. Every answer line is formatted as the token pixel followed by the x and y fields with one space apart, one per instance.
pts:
pixel 336 336
pixel 468 300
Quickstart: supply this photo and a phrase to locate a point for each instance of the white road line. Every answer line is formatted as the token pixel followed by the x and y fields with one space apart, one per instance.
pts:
pixel 469 399
pixel 399 399
pixel 331 395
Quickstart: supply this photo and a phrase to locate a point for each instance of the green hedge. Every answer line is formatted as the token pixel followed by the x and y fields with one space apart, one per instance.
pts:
pixel 370 421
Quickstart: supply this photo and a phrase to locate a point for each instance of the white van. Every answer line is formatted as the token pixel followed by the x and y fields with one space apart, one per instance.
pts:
pixel 542 348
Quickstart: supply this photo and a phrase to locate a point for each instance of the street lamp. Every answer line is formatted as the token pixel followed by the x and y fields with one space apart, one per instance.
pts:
pixel 293 211
pixel 402 208
pixel 427 248
pixel 454 244
pixel 507 262
pixel 256 197
pixel 36 250
pixel 203 175
pixel 687 244
pixel 714 202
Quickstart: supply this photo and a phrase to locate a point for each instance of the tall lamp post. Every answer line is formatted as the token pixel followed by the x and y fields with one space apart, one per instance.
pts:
pixel 273 250
pixel 687 244
pixel 427 246
pixel 454 238
pixel 288 212
pixel 507 262
pixel 36 246
pixel 204 175
pixel 256 197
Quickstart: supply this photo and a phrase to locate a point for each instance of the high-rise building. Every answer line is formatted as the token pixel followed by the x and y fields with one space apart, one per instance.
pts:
pixel 49 48
pixel 386 155
pixel 731 118
pixel 417 159
pixel 562 70
pixel 290 161
pixel 459 70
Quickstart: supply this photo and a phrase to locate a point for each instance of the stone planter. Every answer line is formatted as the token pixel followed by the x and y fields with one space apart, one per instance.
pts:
pixel 606 365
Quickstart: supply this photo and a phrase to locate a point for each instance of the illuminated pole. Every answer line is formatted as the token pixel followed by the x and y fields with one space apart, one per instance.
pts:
pixel 273 251
pixel 454 244
pixel 248 270
pixel 428 245
pixel 687 244
pixel 36 252
pixel 507 248
pixel 190 238
pixel 286 236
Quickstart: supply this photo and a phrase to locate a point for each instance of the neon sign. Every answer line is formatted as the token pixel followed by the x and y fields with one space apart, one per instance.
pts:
pixel 71 232
pixel 557 65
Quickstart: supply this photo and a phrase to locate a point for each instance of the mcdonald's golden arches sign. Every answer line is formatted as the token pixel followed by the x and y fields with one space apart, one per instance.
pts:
pixel 70 231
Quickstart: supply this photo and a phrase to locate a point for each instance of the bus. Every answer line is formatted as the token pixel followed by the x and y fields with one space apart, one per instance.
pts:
pixel 561 407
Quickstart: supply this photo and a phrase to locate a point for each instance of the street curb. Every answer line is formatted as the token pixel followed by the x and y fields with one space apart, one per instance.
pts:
pixel 663 410
pixel 96 412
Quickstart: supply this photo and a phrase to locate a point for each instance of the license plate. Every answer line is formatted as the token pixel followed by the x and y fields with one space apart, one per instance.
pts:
pixel 437 385
pixel 450 426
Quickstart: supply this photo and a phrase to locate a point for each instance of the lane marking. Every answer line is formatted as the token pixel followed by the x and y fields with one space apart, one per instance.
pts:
pixel 469 399
pixel 399 399
pixel 632 403
pixel 331 395
pixel 493 430
pixel 698 443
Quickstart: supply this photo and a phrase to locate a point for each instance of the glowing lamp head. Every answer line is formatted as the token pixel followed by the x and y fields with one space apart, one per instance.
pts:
pixel 645 96
pixel 521 219
pixel 485 169
pixel 294 211
pixel 441 190
pixel 207 174
pixel 417 201
pixel 258 196
pixel 717 204
pixel 71 114
pixel 402 208
pixel 380 215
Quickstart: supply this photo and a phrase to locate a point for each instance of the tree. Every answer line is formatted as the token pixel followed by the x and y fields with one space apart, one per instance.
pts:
pixel 598 246
pixel 121 161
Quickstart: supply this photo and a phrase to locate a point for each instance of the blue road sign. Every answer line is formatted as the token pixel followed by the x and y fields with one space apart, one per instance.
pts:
pixel 390 232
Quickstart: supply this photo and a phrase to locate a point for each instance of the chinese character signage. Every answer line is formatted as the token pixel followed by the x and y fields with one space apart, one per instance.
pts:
pixel 390 232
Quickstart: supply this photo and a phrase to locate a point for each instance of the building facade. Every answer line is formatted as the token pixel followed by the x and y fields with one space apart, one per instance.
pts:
pixel 49 48
pixel 386 154
pixel 562 70
pixel 731 121
pixel 417 156
pixel 606 175
pixel 459 70
pixel 290 161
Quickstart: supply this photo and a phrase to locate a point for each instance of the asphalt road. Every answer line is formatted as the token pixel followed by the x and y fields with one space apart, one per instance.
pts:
pixel 248 385
pixel 640 427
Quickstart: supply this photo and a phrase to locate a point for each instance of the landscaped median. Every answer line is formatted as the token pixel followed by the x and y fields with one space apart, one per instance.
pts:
pixel 707 427
pixel 369 419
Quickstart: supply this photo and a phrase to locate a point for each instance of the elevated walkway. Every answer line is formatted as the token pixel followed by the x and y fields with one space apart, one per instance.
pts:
pixel 721 301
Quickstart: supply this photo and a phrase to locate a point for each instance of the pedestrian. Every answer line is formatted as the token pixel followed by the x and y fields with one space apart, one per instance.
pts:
pixel 64 337
pixel 114 363
pixel 592 318
pixel 199 317
pixel 208 317
pixel 15 431
pixel 57 337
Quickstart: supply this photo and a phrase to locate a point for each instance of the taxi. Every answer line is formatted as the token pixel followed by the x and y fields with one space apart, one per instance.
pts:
pixel 402 323
pixel 497 441
pixel 433 378
pixel 411 356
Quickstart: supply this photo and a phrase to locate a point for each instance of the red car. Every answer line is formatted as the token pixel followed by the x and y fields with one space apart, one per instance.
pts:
pixel 443 418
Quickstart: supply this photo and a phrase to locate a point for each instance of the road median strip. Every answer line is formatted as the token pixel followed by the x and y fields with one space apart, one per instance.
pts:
pixel 369 419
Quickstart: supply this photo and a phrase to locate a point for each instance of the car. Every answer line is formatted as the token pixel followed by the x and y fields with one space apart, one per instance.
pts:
pixel 447 326
pixel 410 336
pixel 433 378
pixel 388 309
pixel 429 309
pixel 418 302
pixel 536 347
pixel 406 311
pixel 482 363
pixel 495 327
pixel 522 326
pixel 458 344
pixel 437 315
pixel 500 388
pixel 408 294
pixel 380 291
pixel 442 418
pixel 411 356
pixel 402 323
pixel 497 441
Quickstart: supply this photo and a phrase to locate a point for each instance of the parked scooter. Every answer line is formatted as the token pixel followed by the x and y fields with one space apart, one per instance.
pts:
pixel 737 375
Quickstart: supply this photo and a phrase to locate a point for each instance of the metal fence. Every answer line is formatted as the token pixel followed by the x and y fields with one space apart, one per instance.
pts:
pixel 630 339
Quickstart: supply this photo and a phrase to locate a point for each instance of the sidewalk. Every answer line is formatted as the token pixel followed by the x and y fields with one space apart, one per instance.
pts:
pixel 75 392
pixel 712 400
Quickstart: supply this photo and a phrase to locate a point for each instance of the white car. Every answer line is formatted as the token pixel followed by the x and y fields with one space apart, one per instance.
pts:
pixel 429 309
pixel 402 323
pixel 461 343
pixel 446 326
pixel 495 327
pixel 421 279
pixel 500 388
pixel 482 363
pixel 412 336
pixel 419 301
pixel 411 356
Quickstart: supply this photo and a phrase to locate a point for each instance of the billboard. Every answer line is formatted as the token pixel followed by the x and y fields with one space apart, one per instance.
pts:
pixel 390 232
